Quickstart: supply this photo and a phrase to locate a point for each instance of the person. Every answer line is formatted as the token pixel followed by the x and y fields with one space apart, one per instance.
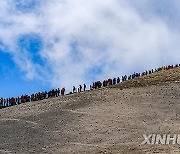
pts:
pixel 129 77
pixel 123 78
pixel 74 89
pixel 5 103
pixel 118 80
pixel 32 97
pixel 80 88
pixel 93 85
pixel 114 81
pixel 27 98
pixel 39 96
pixel 53 93
pixel 22 99
pixel 99 84
pixel 49 94
pixel 109 81
pixel 105 82
pixel 84 87
pixel 18 100
pixel 13 101
pixel 1 103
pixel 133 76
pixel 63 91
pixel 58 91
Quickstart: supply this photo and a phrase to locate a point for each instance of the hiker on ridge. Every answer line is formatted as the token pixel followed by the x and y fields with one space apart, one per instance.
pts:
pixel 114 81
pixel 80 88
pixel 84 87
pixel 74 89
pixel 62 91
pixel 118 80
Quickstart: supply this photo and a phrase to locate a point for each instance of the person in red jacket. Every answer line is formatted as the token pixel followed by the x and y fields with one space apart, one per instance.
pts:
pixel 22 99
pixel 13 101
pixel 105 83
pixel 109 81
pixel 62 91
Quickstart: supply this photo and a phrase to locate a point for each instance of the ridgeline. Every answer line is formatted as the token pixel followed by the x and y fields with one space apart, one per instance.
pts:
pixel 107 120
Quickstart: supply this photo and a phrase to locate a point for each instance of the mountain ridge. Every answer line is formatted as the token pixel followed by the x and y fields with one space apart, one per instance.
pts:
pixel 106 120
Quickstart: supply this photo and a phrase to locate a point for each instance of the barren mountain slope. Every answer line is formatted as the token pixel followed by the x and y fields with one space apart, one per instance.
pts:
pixel 107 120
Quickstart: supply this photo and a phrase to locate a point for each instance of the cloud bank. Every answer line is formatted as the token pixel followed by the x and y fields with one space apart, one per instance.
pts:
pixel 68 42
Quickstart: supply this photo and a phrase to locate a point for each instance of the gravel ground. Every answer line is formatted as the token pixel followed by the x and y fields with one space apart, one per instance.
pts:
pixel 107 120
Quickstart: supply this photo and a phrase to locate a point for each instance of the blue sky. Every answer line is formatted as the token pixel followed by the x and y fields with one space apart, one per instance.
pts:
pixel 51 44
pixel 13 81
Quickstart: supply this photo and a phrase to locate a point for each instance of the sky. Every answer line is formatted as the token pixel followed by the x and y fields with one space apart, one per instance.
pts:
pixel 47 44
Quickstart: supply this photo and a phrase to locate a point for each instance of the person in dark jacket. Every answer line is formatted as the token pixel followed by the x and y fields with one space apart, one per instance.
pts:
pixel 84 87
pixel 80 88
pixel 114 81
pixel 74 89
pixel 118 80
pixel 1 103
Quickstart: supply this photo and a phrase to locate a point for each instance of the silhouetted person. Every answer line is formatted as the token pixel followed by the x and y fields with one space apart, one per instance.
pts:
pixel 58 91
pixel 118 80
pixel 5 103
pixel 110 81
pixel 84 87
pixel 1 103
pixel 74 89
pixel 105 82
pixel 80 88
pixel 114 81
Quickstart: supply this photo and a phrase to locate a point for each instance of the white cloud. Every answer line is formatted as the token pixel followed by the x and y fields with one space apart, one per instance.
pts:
pixel 79 35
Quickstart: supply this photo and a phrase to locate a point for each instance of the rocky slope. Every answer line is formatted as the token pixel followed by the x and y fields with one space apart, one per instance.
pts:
pixel 107 120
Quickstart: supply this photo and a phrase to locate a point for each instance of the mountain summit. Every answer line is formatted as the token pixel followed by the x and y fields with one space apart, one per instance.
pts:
pixel 108 120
